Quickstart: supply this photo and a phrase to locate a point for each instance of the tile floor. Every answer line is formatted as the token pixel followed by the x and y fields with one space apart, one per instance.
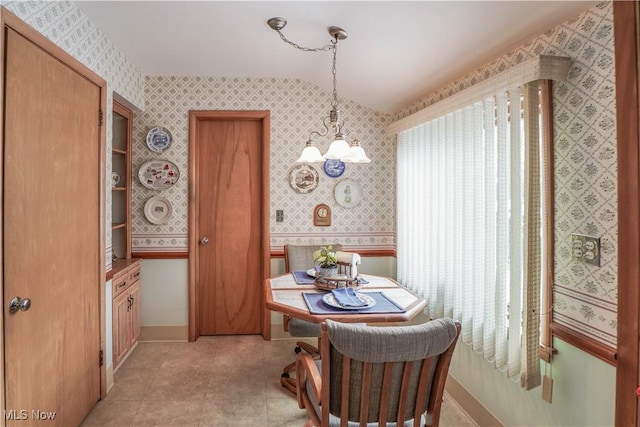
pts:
pixel 223 381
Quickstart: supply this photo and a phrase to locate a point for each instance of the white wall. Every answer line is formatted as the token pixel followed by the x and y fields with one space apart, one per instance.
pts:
pixel 165 292
pixel 583 390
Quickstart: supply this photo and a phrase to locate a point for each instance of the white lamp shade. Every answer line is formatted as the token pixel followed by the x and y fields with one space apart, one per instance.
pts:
pixel 310 154
pixel 337 150
pixel 356 155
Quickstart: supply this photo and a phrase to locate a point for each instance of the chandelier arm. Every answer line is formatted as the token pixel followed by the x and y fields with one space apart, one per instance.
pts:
pixel 321 133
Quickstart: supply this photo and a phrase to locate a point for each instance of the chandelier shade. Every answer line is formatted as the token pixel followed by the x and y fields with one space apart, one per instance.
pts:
pixel 340 148
pixel 310 154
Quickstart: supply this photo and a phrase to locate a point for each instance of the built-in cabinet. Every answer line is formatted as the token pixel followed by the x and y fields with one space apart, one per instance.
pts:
pixel 125 270
pixel 121 181
pixel 126 310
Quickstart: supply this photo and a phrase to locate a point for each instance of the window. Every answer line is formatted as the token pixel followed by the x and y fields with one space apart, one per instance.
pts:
pixel 470 229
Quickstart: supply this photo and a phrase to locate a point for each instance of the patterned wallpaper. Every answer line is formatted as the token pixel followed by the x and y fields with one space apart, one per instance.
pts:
pixel 68 27
pixel 585 296
pixel 585 149
pixel 297 108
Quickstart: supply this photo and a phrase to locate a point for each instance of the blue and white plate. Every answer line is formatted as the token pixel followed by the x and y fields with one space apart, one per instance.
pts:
pixel 366 299
pixel 159 139
pixel 334 167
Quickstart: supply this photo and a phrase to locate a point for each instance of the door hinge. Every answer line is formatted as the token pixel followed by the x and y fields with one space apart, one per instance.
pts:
pixel 101 357
pixel 100 118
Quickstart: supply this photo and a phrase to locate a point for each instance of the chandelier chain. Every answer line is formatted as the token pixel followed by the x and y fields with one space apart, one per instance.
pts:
pixel 334 104
pixel 302 48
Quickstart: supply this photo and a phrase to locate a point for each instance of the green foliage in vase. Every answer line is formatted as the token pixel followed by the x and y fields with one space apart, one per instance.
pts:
pixel 325 257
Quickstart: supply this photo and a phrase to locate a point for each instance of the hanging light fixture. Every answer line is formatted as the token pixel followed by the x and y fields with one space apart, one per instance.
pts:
pixel 339 149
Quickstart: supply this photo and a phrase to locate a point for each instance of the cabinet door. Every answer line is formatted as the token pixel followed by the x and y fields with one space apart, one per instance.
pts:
pixel 135 313
pixel 121 327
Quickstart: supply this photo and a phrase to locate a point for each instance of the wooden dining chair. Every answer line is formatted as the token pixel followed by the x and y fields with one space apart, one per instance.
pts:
pixel 375 376
pixel 300 257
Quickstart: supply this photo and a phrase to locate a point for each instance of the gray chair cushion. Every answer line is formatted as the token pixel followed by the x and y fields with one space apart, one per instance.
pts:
pixel 302 328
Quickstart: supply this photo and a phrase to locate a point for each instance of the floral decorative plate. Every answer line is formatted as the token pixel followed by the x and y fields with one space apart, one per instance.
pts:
pixel 334 167
pixel 158 139
pixel 303 178
pixel 158 210
pixel 158 174
pixel 347 193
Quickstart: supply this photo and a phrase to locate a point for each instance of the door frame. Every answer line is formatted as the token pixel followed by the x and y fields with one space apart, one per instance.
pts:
pixel 195 116
pixel 627 33
pixel 9 20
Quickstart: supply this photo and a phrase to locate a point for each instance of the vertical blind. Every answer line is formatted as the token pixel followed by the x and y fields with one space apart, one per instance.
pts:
pixel 468 224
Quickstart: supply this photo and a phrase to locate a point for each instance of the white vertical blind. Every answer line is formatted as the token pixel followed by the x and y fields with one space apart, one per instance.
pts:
pixel 461 223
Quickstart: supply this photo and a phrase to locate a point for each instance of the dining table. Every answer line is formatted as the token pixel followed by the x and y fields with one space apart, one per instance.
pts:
pixel 387 300
pixel 383 301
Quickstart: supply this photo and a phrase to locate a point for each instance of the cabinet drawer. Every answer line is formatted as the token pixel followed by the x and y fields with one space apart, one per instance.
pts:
pixel 134 274
pixel 120 283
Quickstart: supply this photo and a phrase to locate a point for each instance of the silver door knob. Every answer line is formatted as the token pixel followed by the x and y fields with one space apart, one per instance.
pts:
pixel 18 303
pixel 204 240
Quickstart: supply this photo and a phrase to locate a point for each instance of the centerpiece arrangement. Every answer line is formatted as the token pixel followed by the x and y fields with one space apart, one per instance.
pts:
pixel 327 275
pixel 327 261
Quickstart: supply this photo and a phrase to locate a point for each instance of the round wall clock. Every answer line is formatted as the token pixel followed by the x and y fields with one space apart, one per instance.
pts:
pixel 303 178
pixel 347 193
pixel 334 167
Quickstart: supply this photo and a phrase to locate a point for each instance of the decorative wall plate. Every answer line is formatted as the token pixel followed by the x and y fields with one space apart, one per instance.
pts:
pixel 347 193
pixel 159 139
pixel 158 174
pixel 303 178
pixel 158 210
pixel 334 167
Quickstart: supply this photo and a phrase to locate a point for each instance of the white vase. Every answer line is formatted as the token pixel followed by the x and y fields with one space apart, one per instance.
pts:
pixel 327 272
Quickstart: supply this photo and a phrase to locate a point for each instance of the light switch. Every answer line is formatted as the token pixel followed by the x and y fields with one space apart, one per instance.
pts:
pixel 279 215
pixel 585 248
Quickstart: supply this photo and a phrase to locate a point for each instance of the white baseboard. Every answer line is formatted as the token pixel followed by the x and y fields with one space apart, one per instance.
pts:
pixel 469 404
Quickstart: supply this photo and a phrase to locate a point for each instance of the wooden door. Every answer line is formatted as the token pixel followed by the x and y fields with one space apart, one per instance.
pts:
pixel 230 201
pixel 52 239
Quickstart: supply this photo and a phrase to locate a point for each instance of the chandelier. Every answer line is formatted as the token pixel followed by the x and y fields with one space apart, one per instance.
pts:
pixel 339 149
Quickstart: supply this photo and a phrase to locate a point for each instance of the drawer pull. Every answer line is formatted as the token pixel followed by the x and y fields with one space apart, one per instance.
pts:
pixel 136 275
pixel 123 284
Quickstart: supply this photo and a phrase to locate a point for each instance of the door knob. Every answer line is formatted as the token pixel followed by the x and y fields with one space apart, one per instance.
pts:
pixel 204 240
pixel 18 303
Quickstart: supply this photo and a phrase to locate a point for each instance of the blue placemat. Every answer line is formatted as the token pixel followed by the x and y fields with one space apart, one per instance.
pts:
pixel 383 305
pixel 302 278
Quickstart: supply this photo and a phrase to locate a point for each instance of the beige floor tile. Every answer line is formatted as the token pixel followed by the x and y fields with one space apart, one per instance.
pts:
pixel 242 383
pixel 226 381
pixel 179 384
pixel 234 412
pixel 132 383
pixel 284 412
pixel 111 413
pixel 168 413
pixel 193 355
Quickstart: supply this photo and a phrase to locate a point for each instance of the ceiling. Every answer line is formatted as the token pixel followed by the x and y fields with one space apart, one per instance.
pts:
pixel 396 51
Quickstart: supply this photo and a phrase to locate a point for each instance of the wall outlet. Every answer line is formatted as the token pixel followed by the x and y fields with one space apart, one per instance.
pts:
pixel 585 249
pixel 279 215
